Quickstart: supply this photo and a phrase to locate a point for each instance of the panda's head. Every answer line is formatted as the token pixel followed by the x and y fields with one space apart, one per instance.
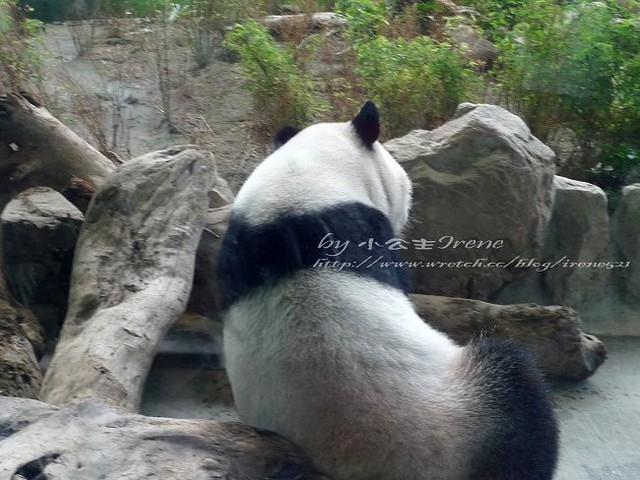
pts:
pixel 325 165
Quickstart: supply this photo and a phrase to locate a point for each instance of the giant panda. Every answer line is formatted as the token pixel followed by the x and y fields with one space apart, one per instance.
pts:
pixel 323 346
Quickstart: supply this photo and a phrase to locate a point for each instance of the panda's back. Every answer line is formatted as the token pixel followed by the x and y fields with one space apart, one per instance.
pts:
pixel 321 364
pixel 323 346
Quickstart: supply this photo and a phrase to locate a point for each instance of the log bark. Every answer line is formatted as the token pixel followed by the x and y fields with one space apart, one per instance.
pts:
pixel 553 334
pixel 36 149
pixel 131 277
pixel 90 441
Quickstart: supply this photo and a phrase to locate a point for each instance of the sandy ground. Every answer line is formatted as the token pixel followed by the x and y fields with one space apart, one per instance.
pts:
pixel 118 78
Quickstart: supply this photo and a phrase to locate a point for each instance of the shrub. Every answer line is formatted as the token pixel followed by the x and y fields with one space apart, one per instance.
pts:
pixel 616 163
pixel 206 20
pixel 576 66
pixel 20 60
pixel 366 18
pixel 418 83
pixel 281 91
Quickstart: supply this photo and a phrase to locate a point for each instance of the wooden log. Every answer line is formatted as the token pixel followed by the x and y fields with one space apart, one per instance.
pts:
pixel 89 441
pixel 131 277
pixel 553 334
pixel 36 149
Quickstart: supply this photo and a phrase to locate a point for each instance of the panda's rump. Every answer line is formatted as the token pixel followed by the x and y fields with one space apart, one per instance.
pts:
pixel 341 365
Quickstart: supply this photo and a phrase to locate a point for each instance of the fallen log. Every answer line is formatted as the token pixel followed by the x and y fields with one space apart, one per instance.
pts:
pixel 91 440
pixel 131 277
pixel 553 334
pixel 36 149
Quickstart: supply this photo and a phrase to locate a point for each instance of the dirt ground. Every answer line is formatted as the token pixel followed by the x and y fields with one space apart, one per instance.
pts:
pixel 116 83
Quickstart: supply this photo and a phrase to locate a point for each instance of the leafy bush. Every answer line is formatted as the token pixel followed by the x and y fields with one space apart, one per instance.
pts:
pixel 576 66
pixel 616 163
pixel 497 17
pixel 367 18
pixel 20 60
pixel 281 91
pixel 418 83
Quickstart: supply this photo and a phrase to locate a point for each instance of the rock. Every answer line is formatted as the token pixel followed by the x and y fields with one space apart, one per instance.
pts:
pixel 473 45
pixel 553 334
pixel 281 26
pixel 626 230
pixel 484 178
pixel 579 238
pixel 88 441
pixel 19 372
pixel 40 229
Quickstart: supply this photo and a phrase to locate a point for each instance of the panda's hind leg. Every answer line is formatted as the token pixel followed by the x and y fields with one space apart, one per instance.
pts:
pixel 520 441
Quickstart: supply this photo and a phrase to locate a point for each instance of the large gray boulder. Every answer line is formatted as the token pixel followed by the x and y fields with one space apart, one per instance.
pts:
pixel 578 266
pixel 481 177
pixel 626 229
pixel 578 244
pixel 40 228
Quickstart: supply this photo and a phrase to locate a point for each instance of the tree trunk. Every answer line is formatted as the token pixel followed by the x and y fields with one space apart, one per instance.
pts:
pixel 36 149
pixel 131 277
pixel 90 441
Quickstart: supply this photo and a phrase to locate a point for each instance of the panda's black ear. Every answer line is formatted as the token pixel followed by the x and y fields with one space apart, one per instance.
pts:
pixel 367 123
pixel 284 135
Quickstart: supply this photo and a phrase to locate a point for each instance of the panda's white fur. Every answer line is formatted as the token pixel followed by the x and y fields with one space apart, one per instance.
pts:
pixel 325 166
pixel 338 361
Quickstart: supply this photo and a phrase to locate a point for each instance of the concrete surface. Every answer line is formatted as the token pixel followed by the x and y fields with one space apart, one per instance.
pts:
pixel 599 418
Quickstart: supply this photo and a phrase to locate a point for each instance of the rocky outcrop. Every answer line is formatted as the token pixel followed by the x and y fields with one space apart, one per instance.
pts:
pixel 576 266
pixel 40 228
pixel 482 200
pixel 472 44
pixel 19 372
pixel 626 228
pixel 579 243
pixel 282 26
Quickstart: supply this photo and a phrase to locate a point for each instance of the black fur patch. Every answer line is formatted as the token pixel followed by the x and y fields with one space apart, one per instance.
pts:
pixel 284 135
pixel 524 442
pixel 252 256
pixel 367 124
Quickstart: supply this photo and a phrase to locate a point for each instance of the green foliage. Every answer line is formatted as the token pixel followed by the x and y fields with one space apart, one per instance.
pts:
pixel 366 18
pixel 282 92
pixel 20 59
pixel 497 17
pixel 616 163
pixel 418 83
pixel 576 66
